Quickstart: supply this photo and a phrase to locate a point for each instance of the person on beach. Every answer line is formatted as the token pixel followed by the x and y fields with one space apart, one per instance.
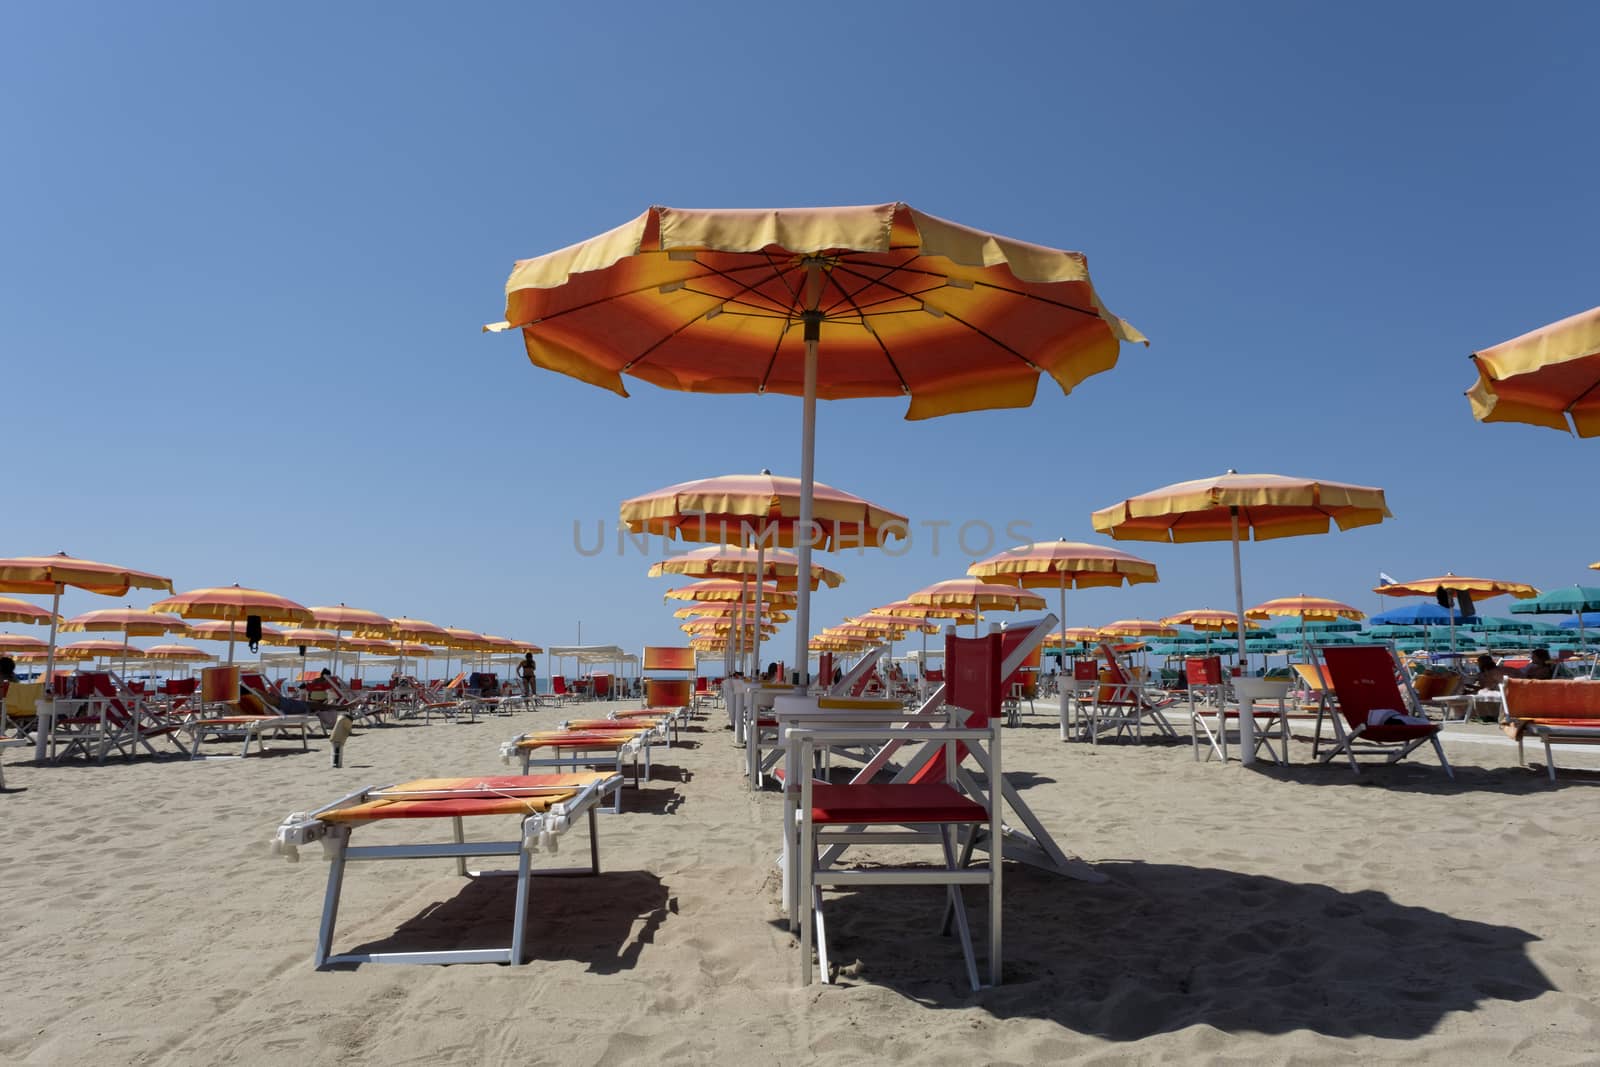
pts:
pixel 8 670
pixel 1490 675
pixel 528 671
pixel 1540 666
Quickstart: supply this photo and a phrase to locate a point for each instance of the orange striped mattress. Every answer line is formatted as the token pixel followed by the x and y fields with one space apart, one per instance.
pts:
pixel 435 798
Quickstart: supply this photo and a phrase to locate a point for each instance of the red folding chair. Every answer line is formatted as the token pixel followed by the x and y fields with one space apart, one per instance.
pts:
pixel 1367 687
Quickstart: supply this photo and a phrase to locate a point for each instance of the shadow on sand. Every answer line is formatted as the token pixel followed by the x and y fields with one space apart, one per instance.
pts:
pixel 604 922
pixel 1164 947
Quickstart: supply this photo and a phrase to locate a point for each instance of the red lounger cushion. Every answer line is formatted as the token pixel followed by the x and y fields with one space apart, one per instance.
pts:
pixel 931 802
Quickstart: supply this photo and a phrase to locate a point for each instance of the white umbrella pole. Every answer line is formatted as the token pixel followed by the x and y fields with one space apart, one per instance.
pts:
pixel 1247 725
pixel 808 458
pixel 41 734
pixel 231 637
pixel 761 567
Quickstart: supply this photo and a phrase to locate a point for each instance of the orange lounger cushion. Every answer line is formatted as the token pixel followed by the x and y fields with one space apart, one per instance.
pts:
pixel 579 739
pixel 611 724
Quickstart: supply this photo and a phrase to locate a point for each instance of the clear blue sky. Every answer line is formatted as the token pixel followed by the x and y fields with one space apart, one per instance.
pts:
pixel 247 251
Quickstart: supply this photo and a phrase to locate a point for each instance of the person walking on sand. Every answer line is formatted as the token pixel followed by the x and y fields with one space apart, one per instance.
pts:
pixel 528 671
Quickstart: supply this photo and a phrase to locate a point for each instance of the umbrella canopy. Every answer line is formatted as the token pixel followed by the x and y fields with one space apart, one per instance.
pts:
pixel 1583 619
pixel 972 596
pixel 1316 626
pixel 14 610
pixel 417 630
pixel 1429 614
pixel 722 590
pixel 233 603
pixel 177 653
pixel 762 510
pixel 723 561
pixel 86 650
pixel 1306 607
pixel 827 303
pixel 1568 600
pixel 1063 565
pixel 1480 588
pixel 1073 635
pixel 1232 506
pixel 1207 619
pixel 906 609
pixel 232 631
pixel 19 643
pixel 742 509
pixel 130 622
pixel 1547 377
pixel 1267 506
pixel 48 574
pixel 726 610
pixel 1137 628
pixel 341 618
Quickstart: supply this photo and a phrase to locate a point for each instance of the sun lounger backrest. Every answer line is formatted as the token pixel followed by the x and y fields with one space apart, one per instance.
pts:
pixel 1027 672
pixel 1203 670
pixel 1364 681
pixel 825 668
pixel 1529 698
pixel 1314 676
pixel 667 658
pixel 219 685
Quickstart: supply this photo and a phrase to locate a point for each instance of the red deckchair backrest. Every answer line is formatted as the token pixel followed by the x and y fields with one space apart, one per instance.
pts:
pixel 972 683
pixel 1363 679
pixel 825 668
pixel 865 680
pixel 1085 670
pixel 558 684
pixel 99 684
pixel 1203 670
pixel 1027 671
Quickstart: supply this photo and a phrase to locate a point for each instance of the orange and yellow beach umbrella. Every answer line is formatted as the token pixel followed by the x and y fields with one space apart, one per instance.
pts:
pixel 1208 620
pixel 1137 628
pixel 1549 377
pixel 1305 608
pixel 14 610
pixel 234 603
pixel 725 590
pixel 1233 506
pixel 1063 565
pixel 972 596
pixel 820 303
pixel 1480 588
pixel 747 509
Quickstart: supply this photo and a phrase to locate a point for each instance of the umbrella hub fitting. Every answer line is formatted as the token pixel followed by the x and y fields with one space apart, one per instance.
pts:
pixel 813 324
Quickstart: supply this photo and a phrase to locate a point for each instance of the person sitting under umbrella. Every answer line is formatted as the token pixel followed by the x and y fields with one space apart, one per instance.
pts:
pixel 1540 666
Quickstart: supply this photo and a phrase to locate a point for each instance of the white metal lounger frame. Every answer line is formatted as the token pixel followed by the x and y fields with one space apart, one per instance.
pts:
pixel 600 758
pixel 276 726
pixel 862 668
pixel 539 830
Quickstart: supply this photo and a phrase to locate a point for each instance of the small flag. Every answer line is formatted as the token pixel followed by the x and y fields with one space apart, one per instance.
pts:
pixel 1384 579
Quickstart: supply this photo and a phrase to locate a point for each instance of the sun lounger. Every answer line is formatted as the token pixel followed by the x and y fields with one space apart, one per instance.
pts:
pixel 1367 689
pixel 548 805
pixel 1557 711
pixel 1122 703
pixel 574 750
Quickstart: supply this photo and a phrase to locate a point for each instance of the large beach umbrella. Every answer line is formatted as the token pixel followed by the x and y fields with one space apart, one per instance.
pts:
pixel 1450 582
pixel 726 590
pixel 1425 614
pixel 1063 565
pixel 1137 628
pixel 1208 620
pixel 52 574
pixel 973 596
pixel 749 565
pixel 758 510
pixel 826 303
pixel 1549 377
pixel 341 619
pixel 14 610
pixel 14 643
pixel 1233 506
pixel 130 622
pixel 236 604
pixel 1307 610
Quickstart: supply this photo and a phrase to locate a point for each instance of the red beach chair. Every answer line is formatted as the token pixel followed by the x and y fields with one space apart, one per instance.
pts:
pixel 1366 683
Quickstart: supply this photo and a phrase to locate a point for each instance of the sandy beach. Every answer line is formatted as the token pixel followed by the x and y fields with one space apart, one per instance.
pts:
pixel 1249 916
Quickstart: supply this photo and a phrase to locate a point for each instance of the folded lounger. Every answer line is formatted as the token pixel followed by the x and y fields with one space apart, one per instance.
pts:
pixel 549 805
pixel 576 749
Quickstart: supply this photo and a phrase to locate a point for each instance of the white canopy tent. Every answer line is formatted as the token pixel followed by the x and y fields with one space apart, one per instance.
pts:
pixel 613 656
